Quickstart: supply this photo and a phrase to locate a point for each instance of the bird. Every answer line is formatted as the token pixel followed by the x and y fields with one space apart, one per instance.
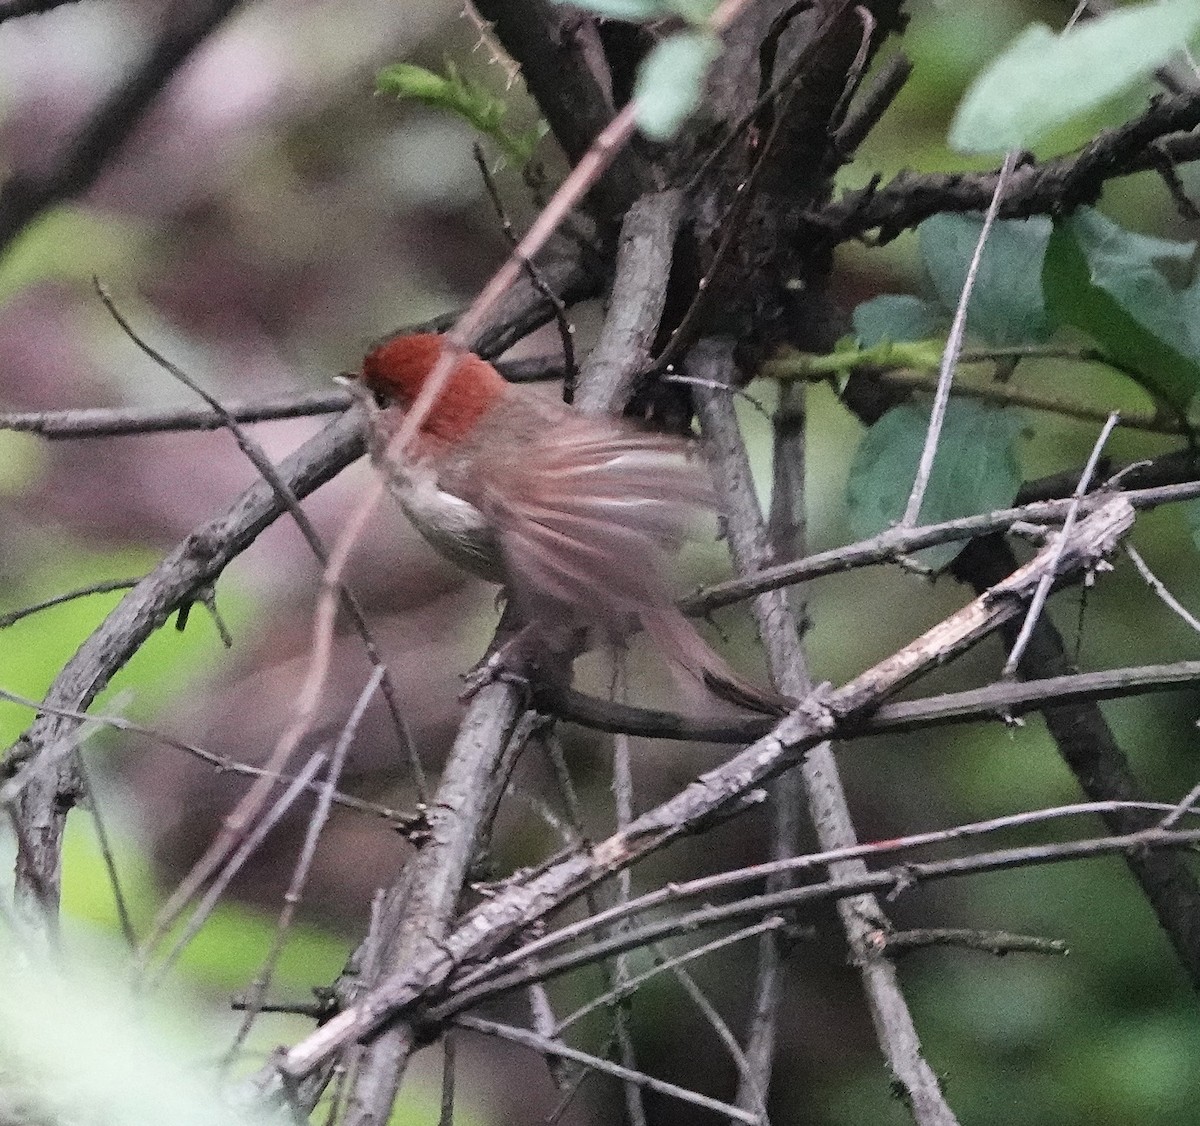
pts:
pixel 574 515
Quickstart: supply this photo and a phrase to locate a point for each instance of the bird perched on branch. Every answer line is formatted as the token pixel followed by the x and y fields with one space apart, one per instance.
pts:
pixel 572 514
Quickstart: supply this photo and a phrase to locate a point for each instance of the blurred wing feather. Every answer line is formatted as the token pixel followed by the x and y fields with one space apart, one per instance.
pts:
pixel 584 517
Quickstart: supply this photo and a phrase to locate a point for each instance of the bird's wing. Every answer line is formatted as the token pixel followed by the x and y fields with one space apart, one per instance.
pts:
pixel 585 514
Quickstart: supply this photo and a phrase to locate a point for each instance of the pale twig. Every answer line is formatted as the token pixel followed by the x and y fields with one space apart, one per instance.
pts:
pixel 1185 806
pixel 223 764
pixel 1000 943
pixel 954 342
pixel 625 1074
pixel 1047 581
pixel 112 422
pixel 248 846
pixel 291 900
pixel 627 987
pixel 622 786
pixel 1159 588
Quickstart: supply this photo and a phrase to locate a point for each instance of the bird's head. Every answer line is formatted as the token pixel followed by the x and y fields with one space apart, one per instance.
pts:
pixel 396 371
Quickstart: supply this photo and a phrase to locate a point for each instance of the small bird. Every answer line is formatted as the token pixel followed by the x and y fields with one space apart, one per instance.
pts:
pixel 574 515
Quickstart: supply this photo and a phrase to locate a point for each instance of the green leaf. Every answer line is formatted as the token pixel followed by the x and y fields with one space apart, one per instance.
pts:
pixel 976 469
pixel 460 95
pixel 895 317
pixel 71 244
pixel 671 80
pixel 1045 79
pixel 634 11
pixel 1007 305
pixel 1105 280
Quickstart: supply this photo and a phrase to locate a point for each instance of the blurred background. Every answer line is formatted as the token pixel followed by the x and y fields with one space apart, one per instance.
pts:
pixel 267 221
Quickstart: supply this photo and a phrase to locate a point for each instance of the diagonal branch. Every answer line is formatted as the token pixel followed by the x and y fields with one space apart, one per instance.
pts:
pixel 699 805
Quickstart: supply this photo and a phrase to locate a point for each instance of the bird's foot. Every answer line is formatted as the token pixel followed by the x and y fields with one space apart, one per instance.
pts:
pixel 511 662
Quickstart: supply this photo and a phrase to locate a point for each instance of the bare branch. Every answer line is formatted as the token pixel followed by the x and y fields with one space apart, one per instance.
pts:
pixel 107 422
pixel 1043 589
pixel 1054 187
pixel 999 943
pixel 644 260
pixel 954 342
pixel 1159 588
pixel 895 542
pixel 625 1074
pixel 1001 702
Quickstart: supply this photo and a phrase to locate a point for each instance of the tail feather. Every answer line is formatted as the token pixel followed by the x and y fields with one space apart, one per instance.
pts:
pixel 680 642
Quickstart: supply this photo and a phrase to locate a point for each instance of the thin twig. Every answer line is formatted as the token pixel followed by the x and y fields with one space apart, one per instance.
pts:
pixel 111 422
pixel 124 918
pixel 566 330
pixel 1185 806
pixel 625 1074
pixel 630 985
pixel 449 1057
pixel 622 785
pixel 1043 588
pixel 105 587
pixel 954 343
pixel 249 845
pixel 1159 588
pixel 1000 943
pixel 291 900
pixel 406 823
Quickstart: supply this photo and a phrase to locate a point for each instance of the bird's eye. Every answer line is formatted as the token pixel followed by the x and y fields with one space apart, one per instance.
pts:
pixel 381 400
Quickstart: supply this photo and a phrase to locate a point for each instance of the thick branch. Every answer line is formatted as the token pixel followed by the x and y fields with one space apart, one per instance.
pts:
pixel 1053 187
pixel 562 62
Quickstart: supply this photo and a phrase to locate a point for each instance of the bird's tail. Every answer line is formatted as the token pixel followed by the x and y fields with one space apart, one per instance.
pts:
pixel 678 640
